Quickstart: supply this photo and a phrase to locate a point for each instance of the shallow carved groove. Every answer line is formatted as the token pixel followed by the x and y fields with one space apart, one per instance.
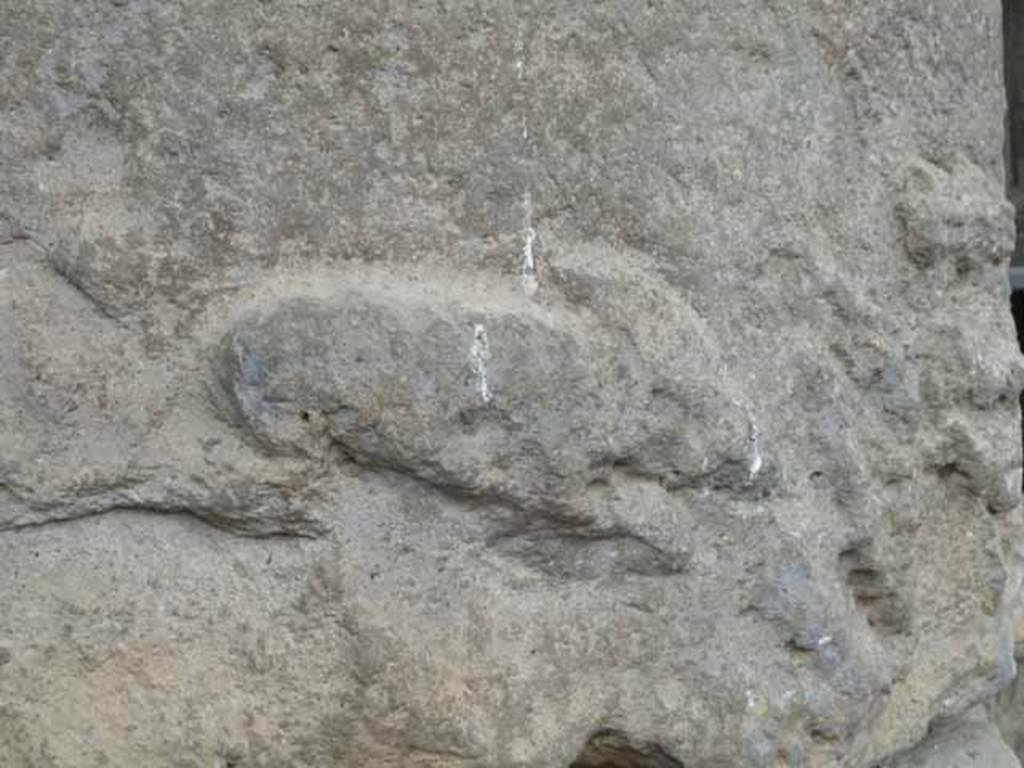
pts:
pixel 590 554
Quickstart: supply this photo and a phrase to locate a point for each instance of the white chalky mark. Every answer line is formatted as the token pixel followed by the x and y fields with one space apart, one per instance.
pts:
pixel 521 75
pixel 754 449
pixel 824 640
pixel 528 265
pixel 754 459
pixel 479 354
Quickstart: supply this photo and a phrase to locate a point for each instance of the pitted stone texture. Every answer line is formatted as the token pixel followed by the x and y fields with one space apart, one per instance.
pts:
pixel 965 744
pixel 953 218
pixel 736 483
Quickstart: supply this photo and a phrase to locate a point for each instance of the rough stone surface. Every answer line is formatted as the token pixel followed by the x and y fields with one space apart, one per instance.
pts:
pixel 965 744
pixel 503 384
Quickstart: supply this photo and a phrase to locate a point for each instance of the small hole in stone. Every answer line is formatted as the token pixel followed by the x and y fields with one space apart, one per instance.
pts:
pixel 304 415
pixel 615 749
pixel 801 647
pixel 822 732
pixel 878 599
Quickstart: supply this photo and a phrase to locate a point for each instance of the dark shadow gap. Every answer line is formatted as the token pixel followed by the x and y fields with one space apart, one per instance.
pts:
pixel 1013 71
pixel 1017 309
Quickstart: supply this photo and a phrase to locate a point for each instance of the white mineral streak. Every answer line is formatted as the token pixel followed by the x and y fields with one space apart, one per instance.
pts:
pixel 528 266
pixel 754 448
pixel 527 263
pixel 521 77
pixel 755 461
pixel 479 354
